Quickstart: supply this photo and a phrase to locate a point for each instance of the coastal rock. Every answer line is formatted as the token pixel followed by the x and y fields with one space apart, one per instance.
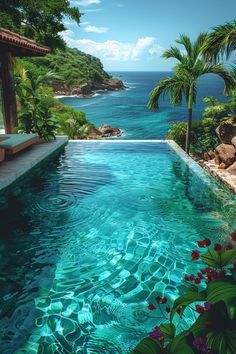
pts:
pixel 110 85
pixel 87 89
pixel 222 166
pixel 225 153
pixel 232 169
pixel 209 155
pixel 108 131
pixel 226 131
pixel 84 89
pixel 233 141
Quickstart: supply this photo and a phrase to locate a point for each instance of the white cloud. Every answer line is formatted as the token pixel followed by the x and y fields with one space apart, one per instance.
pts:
pixel 115 50
pixel 85 2
pixel 95 29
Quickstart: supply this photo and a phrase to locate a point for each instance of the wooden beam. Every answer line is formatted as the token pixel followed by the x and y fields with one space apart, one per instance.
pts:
pixel 8 93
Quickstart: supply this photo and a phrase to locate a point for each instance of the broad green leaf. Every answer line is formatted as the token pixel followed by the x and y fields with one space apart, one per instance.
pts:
pixel 148 346
pixel 227 257
pixel 179 345
pixel 198 326
pixel 186 299
pixel 223 290
pixel 168 329
pixel 211 258
pixel 223 342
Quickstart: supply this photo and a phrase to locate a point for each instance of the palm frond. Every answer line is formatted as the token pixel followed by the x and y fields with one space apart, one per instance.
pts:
pixel 186 42
pixel 221 41
pixel 172 87
pixel 220 70
pixel 173 53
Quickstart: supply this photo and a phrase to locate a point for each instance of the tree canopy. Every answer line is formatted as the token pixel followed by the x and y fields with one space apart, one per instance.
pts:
pixel 38 19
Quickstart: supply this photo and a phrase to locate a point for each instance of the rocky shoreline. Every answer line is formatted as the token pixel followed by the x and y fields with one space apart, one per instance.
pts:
pixel 88 89
pixel 105 131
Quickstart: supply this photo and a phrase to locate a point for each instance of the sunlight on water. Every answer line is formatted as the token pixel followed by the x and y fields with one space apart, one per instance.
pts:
pixel 95 238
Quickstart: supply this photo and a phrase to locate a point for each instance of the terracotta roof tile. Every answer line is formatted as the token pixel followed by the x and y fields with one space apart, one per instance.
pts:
pixel 21 43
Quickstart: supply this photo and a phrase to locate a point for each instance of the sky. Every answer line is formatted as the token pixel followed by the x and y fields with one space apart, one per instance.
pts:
pixel 130 35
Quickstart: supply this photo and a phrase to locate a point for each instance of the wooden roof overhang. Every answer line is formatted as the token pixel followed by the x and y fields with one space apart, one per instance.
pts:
pixel 13 45
pixel 20 46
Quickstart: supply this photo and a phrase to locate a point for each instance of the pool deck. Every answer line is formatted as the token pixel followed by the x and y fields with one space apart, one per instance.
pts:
pixel 15 168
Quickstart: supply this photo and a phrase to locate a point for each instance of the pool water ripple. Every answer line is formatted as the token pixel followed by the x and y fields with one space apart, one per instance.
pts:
pixel 111 226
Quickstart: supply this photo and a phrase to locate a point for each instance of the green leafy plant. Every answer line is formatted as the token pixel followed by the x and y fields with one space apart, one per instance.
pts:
pixel 213 291
pixel 204 137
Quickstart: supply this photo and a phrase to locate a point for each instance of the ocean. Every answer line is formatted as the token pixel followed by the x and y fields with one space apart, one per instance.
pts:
pixel 128 111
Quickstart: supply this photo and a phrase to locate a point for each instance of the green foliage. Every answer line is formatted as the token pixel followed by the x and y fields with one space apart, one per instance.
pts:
pixel 214 331
pixel 38 19
pixel 204 137
pixel 70 68
pixel 177 133
pixel 191 65
pixel 148 346
pixel 40 113
pixel 72 123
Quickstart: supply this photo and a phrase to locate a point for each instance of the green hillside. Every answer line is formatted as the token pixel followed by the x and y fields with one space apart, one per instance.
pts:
pixel 72 67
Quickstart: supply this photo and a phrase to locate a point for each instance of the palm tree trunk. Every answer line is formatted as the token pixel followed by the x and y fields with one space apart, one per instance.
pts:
pixel 190 116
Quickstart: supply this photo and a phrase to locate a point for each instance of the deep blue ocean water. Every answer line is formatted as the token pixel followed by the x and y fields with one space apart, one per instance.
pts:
pixel 128 111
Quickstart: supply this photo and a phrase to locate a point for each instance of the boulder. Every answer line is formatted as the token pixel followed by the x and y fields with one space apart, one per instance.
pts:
pixel 110 85
pixel 233 141
pixel 222 166
pixel 232 169
pixel 226 131
pixel 108 131
pixel 83 89
pixel 225 153
pixel 209 155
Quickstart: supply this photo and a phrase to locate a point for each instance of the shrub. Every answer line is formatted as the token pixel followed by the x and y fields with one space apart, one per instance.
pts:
pixel 178 132
pixel 213 291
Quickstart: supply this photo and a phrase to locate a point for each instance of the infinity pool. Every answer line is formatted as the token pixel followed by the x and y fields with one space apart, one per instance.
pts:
pixel 96 234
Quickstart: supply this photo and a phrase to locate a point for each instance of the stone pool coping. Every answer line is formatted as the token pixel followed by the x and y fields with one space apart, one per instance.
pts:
pixel 12 170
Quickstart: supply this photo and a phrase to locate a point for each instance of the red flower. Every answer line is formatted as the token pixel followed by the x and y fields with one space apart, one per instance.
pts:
pixel 200 276
pixel 203 271
pixel 164 300
pixel 233 236
pixel 158 299
pixel 187 278
pixel 167 309
pixel 201 244
pixel 192 277
pixel 200 309
pixel 151 307
pixel 207 242
pixel 217 247
pixel 229 246
pixel 234 264
pixel 197 281
pixel 195 255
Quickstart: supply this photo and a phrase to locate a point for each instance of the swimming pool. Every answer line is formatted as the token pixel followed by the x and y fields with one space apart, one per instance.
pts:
pixel 94 236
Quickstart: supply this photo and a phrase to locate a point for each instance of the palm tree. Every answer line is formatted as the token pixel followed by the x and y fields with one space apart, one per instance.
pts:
pixel 221 41
pixel 191 65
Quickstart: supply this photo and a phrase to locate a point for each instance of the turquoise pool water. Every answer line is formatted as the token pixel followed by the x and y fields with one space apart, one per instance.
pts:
pixel 94 236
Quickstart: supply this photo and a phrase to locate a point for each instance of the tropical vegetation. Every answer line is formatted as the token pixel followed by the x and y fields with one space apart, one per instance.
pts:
pixel 70 66
pixel 41 113
pixel 191 65
pixel 211 295
pixel 40 20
